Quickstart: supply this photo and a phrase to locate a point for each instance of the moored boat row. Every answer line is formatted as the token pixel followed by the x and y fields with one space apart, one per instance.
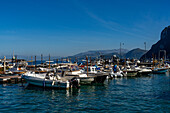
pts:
pixel 69 75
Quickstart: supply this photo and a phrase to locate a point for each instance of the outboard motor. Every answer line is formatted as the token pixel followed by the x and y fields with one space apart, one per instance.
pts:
pixel 75 83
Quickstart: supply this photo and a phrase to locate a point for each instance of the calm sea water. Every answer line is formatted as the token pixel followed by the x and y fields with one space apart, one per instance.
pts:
pixel 142 94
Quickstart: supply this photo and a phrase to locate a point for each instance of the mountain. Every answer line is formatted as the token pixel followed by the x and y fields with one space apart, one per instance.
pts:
pixel 162 45
pixel 97 53
pixel 135 53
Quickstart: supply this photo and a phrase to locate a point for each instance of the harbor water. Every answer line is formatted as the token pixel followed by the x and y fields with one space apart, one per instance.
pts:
pixel 138 94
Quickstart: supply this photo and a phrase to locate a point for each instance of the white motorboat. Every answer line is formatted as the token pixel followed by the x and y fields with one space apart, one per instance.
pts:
pixel 75 71
pixel 92 76
pixel 99 76
pixel 49 80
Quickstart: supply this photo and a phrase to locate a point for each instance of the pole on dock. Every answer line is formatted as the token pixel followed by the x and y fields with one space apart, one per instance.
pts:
pixel 145 50
pixel 4 64
pixel 120 49
pixel 163 60
pixel 62 63
pixel 31 61
pixel 16 60
pixel 87 65
pixel 70 60
pixel 49 60
pixel 153 60
pixel 56 62
pixel 41 59
pixel 76 60
pixel 57 65
pixel 13 58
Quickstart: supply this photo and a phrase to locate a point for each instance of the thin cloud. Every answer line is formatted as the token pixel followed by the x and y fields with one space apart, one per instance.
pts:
pixel 118 27
pixel 114 26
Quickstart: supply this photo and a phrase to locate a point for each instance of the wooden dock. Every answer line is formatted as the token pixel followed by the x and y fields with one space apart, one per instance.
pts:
pixel 10 79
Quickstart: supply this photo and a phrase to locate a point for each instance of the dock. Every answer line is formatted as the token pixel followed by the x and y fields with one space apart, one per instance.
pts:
pixel 10 79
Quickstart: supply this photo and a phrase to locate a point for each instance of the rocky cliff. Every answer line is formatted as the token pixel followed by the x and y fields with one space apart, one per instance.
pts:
pixel 162 44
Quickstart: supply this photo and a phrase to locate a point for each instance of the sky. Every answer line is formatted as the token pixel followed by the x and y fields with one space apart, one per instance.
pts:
pixel 68 27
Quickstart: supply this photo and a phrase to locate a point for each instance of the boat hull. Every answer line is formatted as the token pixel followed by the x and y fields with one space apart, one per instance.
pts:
pixel 131 73
pixel 160 71
pixel 86 80
pixel 140 73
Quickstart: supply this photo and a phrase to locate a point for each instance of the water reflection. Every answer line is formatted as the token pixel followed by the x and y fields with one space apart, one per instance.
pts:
pixel 167 73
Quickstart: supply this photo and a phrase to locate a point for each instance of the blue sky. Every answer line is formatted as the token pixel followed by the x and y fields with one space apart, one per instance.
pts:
pixel 68 27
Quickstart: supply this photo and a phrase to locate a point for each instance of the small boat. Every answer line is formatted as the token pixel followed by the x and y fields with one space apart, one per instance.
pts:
pixel 50 80
pixel 159 70
pixel 130 72
pixel 87 78
pixel 99 76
